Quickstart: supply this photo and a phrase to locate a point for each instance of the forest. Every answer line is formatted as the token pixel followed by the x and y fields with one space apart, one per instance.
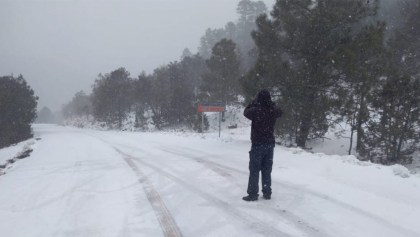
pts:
pixel 326 62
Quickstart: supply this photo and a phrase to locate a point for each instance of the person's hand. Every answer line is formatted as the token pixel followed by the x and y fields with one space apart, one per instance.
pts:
pixel 251 104
pixel 254 102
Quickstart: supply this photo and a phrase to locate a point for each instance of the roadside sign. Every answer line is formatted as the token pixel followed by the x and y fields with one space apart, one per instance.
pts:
pixel 215 107
pixel 211 107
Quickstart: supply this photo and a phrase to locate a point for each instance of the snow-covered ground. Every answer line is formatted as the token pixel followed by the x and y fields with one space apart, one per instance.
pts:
pixel 9 155
pixel 11 151
pixel 80 182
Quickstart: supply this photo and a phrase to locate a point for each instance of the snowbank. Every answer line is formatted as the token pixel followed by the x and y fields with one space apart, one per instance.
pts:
pixel 401 171
pixel 9 155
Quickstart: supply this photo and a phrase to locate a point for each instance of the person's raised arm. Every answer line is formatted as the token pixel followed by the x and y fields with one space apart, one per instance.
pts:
pixel 251 110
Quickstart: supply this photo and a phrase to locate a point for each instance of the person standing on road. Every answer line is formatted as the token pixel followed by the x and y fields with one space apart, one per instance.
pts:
pixel 263 113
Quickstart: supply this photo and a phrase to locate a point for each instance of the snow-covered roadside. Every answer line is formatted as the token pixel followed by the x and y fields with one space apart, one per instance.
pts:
pixel 9 155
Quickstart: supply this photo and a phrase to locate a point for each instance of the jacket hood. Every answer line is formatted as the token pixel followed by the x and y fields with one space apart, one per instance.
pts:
pixel 264 98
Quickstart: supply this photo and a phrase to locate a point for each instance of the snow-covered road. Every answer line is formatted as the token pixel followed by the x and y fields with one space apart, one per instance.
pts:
pixel 93 183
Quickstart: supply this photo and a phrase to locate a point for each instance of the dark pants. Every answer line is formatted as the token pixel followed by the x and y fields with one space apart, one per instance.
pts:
pixel 260 159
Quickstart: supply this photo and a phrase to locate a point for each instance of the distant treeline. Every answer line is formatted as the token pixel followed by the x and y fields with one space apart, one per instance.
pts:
pixel 326 62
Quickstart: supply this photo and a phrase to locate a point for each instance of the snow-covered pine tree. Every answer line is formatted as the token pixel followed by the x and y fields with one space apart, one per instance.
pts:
pixel 298 47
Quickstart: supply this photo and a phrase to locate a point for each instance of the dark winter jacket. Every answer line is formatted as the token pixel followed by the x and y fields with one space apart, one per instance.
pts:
pixel 263 113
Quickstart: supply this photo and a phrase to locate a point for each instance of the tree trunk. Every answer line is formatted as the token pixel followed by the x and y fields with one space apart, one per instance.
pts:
pixel 306 122
pixel 359 123
pixel 305 126
pixel 402 136
pixel 351 140
pixel 119 119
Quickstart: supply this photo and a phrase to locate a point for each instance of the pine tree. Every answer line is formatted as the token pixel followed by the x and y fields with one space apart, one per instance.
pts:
pixel 405 43
pixel 17 109
pixel 222 81
pixel 172 99
pixel 297 48
pixel 248 12
pixel 393 131
pixel 159 98
pixel 112 97
pixel 142 95
pixel 363 63
pixel 194 66
pixel 181 100
pixel 238 31
pixel 207 42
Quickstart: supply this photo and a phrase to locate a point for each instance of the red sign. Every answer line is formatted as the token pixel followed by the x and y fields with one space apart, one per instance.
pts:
pixel 210 108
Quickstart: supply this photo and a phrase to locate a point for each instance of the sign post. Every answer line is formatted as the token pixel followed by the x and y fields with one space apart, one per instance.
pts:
pixel 202 122
pixel 210 107
pixel 220 119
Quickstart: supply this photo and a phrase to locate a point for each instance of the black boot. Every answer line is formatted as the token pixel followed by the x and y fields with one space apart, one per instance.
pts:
pixel 250 198
pixel 267 196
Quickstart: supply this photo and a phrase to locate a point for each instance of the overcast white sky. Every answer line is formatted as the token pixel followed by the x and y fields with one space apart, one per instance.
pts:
pixel 60 46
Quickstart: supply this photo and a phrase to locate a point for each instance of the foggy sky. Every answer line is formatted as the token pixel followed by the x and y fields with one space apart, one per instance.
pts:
pixel 60 46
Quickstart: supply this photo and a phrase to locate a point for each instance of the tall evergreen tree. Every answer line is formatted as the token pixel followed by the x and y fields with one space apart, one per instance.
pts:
pixel 248 12
pixel 172 96
pixel 207 42
pixel 297 49
pixel 194 66
pixel 159 98
pixel 221 83
pixel 17 110
pixel 181 101
pixel 393 132
pixel 142 98
pixel 363 63
pixel 112 97
pixel 405 43
pixel 238 31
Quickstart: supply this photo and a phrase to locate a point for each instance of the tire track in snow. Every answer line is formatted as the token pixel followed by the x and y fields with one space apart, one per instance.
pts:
pixel 224 172
pixel 292 218
pixel 258 226
pixel 166 221
pixel 346 206
pixel 339 203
